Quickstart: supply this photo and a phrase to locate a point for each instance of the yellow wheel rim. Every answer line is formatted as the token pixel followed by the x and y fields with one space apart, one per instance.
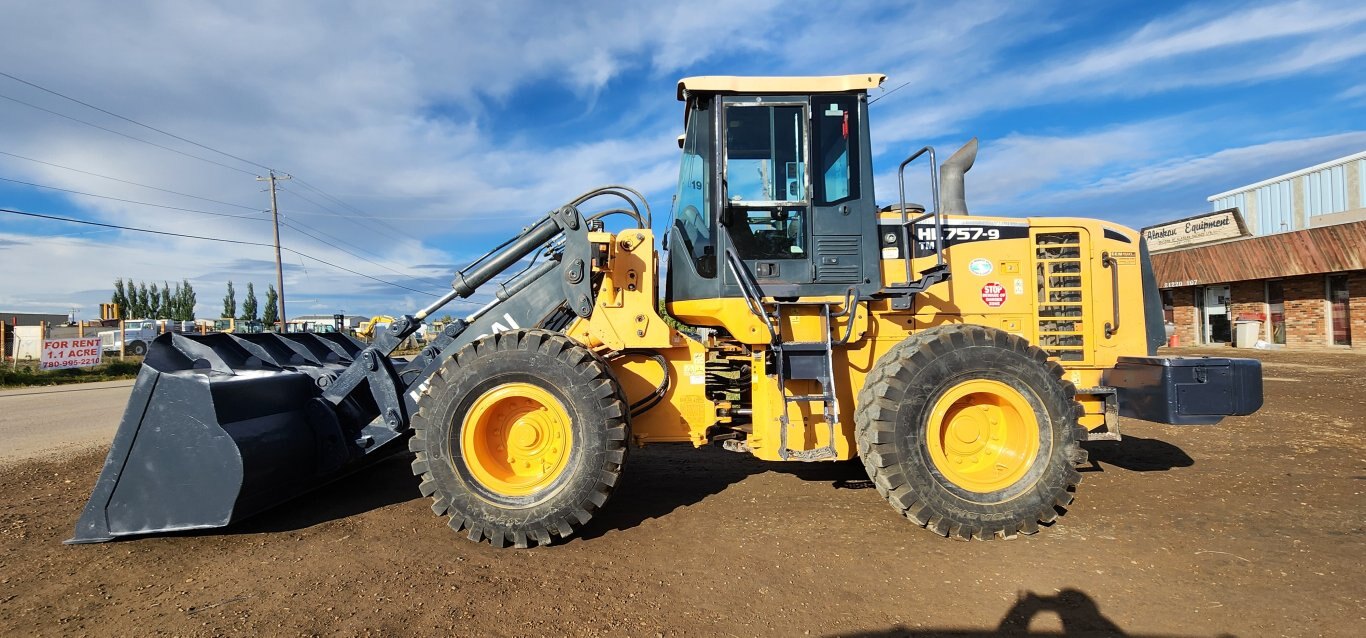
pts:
pixel 515 439
pixel 983 435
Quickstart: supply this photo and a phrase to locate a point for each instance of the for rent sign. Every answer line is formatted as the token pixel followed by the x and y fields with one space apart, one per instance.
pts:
pixel 70 353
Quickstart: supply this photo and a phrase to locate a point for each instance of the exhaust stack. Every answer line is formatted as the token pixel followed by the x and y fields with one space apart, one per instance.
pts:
pixel 951 172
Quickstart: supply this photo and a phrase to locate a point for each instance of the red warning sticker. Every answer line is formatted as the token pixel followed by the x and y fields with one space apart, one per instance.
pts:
pixel 994 294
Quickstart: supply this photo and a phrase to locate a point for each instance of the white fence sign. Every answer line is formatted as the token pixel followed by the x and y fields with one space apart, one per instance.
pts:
pixel 28 342
pixel 70 353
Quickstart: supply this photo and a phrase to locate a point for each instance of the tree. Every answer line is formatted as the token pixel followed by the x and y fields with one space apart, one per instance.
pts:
pixel 187 300
pixel 178 303
pixel 153 301
pixel 145 309
pixel 167 309
pixel 230 302
pixel 120 298
pixel 249 304
pixel 130 294
pixel 271 314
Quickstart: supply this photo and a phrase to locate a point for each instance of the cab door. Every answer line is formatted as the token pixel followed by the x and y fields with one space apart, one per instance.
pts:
pixel 842 213
pixel 766 204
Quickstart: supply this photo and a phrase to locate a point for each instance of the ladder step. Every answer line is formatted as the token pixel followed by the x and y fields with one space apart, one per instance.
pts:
pixel 810 397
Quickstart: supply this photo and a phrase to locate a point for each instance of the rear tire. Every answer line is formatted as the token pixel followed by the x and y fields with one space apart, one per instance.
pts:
pixel 970 432
pixel 520 438
pixel 137 348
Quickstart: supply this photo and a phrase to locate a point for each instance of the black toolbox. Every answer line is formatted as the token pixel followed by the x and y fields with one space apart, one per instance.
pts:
pixel 1186 390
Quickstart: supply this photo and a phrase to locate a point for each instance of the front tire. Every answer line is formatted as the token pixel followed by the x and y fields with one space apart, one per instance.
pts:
pixel 970 432
pixel 520 438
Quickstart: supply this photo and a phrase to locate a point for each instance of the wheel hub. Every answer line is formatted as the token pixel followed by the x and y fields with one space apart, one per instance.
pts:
pixel 515 439
pixel 982 435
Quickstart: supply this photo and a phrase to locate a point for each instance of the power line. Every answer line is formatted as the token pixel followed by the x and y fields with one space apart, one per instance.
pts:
pixel 343 204
pixel 218 239
pixel 400 233
pixel 447 218
pixel 131 137
pixel 351 218
pixel 133 121
pixel 133 201
pixel 321 240
pixel 328 263
pixel 141 230
pixel 381 224
pixel 124 181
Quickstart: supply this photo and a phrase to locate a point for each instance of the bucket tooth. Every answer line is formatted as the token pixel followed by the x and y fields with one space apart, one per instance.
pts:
pixel 220 427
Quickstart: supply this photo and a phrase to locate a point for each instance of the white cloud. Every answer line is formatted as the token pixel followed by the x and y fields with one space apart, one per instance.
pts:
pixel 403 109
pixel 1137 185
pixel 1229 168
pixel 1198 47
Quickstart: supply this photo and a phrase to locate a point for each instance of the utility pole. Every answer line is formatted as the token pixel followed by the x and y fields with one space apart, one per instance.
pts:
pixel 279 267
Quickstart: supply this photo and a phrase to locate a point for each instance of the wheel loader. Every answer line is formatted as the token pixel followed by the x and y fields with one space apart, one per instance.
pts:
pixel 962 359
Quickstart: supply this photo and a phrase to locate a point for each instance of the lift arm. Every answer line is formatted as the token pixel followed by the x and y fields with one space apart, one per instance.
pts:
pixel 541 295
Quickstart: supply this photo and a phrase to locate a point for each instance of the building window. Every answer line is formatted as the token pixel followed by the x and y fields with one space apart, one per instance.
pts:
pixel 1275 301
pixel 1339 303
pixel 1168 306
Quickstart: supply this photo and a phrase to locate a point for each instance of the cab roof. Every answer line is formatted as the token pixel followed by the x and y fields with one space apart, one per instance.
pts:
pixel 779 85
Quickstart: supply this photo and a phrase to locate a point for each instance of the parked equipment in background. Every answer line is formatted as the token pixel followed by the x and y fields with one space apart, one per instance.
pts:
pixel 961 358
pixel 366 330
pixel 238 326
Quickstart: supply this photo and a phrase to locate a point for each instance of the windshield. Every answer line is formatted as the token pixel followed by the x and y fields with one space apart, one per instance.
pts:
pixel 691 211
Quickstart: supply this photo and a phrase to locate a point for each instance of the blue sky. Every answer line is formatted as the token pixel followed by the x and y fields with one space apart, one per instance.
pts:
pixel 439 128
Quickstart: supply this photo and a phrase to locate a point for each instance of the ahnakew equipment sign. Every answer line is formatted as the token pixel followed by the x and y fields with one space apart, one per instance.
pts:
pixel 1192 231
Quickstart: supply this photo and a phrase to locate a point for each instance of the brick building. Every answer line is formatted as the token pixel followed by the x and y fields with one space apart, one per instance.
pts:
pixel 1284 258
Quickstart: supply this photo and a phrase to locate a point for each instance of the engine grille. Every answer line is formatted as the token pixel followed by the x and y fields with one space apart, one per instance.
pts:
pixel 1062 290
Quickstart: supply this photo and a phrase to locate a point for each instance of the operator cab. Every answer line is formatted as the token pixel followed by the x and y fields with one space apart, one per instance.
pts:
pixel 776 175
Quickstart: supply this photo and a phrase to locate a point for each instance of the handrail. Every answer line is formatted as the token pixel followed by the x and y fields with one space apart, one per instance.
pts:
pixel 753 298
pixel 1106 261
pixel 850 310
pixel 905 222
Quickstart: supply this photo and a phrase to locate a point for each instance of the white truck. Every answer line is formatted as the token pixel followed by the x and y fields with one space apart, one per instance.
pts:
pixel 138 333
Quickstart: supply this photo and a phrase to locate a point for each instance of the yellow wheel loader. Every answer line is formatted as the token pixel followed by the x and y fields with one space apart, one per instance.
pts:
pixel 961 358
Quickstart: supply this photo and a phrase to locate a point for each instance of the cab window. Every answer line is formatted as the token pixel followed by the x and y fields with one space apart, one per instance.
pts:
pixel 765 153
pixel 836 148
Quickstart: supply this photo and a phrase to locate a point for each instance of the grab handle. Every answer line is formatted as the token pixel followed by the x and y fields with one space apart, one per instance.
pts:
pixel 1113 264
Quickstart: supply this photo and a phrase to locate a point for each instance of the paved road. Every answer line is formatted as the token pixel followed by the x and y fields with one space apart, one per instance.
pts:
pixel 40 421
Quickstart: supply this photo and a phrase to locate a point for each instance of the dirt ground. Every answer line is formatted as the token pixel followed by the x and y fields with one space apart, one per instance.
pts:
pixel 1252 527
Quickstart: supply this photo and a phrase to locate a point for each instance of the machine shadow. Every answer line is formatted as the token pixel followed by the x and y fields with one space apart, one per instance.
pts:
pixel 662 478
pixel 1077 612
pixel 387 482
pixel 656 481
pixel 1136 454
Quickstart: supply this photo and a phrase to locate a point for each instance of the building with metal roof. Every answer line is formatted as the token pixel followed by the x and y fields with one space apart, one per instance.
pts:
pixel 1281 261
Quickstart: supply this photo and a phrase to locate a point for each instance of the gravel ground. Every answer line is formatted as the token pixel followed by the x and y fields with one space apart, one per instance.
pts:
pixel 1253 527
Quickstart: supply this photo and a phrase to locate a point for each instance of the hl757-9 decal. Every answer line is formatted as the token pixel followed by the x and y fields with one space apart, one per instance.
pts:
pixel 954 233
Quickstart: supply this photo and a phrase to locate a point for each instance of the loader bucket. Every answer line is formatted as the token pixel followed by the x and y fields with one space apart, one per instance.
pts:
pixel 223 426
